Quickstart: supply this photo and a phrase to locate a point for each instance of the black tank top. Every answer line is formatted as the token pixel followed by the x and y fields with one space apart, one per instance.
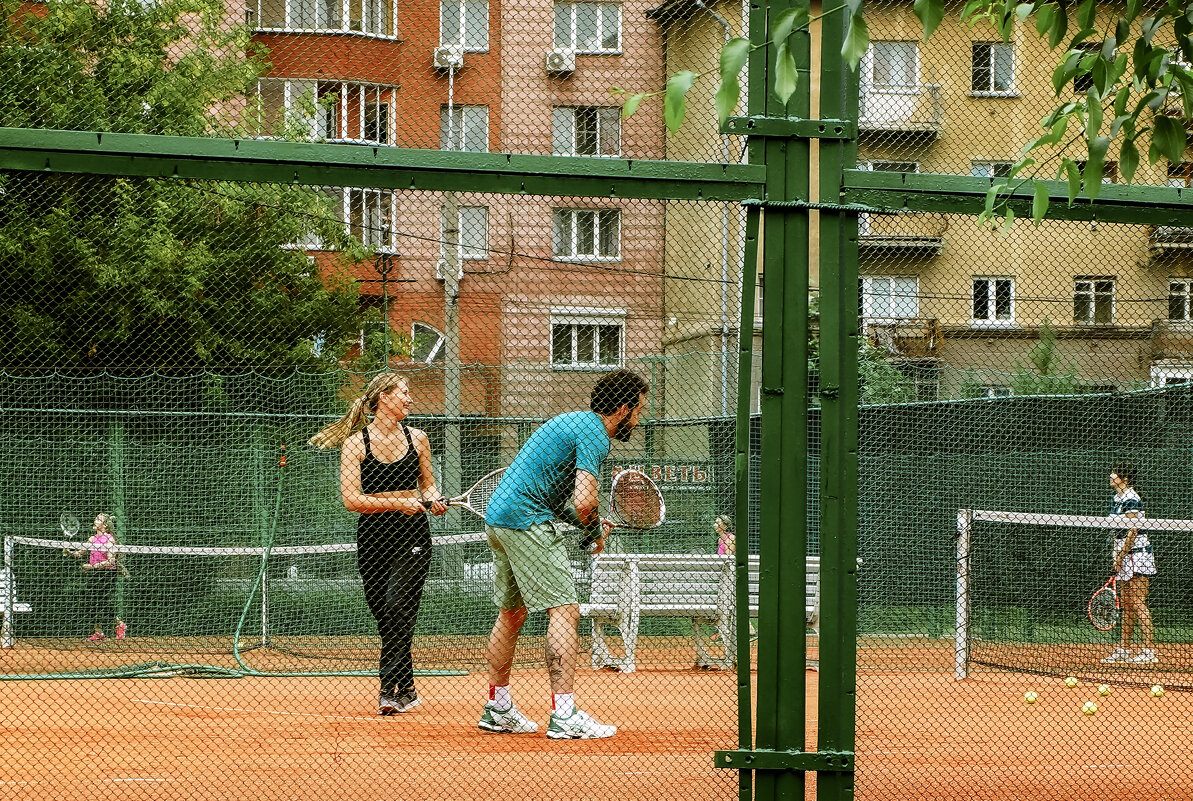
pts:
pixel 377 476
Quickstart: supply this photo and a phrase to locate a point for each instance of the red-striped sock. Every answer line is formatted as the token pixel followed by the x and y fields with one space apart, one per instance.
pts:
pixel 500 696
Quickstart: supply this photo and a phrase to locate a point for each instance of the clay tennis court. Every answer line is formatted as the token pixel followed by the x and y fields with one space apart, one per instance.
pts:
pixel 920 735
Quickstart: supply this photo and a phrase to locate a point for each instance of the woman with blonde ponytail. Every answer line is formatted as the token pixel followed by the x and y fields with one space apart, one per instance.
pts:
pixel 385 476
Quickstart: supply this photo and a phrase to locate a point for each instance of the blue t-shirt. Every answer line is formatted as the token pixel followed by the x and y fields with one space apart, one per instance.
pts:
pixel 543 476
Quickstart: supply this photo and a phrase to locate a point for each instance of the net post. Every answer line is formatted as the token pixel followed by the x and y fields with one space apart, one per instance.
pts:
pixel 961 636
pixel 6 600
pixel 265 606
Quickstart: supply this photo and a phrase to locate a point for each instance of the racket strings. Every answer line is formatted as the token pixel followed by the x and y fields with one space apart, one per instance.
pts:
pixel 637 503
pixel 1102 609
pixel 480 496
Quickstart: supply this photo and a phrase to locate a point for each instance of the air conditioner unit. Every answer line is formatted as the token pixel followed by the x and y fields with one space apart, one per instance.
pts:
pixel 448 57
pixel 561 62
pixel 441 270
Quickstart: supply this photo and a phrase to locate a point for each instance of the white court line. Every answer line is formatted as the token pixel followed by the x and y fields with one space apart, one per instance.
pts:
pixel 1085 767
pixel 139 780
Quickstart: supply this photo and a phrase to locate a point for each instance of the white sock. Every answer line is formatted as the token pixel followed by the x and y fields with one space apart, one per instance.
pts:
pixel 564 704
pixel 500 696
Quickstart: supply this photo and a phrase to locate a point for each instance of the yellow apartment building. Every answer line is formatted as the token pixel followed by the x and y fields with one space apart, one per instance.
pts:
pixel 956 308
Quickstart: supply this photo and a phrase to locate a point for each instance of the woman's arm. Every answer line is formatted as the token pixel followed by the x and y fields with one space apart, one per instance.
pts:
pixel 1128 544
pixel 426 476
pixel 351 455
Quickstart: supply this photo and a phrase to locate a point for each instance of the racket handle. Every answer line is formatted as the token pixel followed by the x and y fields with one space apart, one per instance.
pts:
pixel 588 541
pixel 427 504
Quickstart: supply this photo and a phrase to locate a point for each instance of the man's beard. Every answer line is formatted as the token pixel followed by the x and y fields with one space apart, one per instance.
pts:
pixel 624 429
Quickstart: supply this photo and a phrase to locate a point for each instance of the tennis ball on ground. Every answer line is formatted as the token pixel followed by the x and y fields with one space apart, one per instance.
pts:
pixel 1089 707
pixel 1070 682
pixel 1030 698
pixel 1103 689
pixel 1157 690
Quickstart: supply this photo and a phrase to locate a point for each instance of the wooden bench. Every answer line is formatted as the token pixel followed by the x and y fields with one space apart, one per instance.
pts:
pixel 699 587
pixel 8 599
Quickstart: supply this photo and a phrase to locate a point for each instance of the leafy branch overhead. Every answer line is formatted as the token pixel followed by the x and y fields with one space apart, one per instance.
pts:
pixel 1136 62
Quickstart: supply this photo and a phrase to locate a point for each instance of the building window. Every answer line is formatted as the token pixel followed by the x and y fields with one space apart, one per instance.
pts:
pixel 465 128
pixel 925 381
pixel 588 27
pixel 586 131
pixel 376 122
pixel 375 17
pixel 1167 375
pixel 993 68
pixel 1180 299
pixel 1179 174
pixel 464 22
pixel 993 301
pixel 587 234
pixel 426 344
pixel 990 169
pixel 1093 300
pixel 472 232
pixel 328 110
pixel 892 67
pixel 1084 82
pixel 370 217
pixel 1109 171
pixel 587 340
pixel 891 297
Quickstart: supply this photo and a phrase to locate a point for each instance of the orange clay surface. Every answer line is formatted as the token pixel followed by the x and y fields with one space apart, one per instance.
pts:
pixel 920 734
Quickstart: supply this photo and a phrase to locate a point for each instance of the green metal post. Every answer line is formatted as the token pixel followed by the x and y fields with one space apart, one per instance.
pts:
pixel 741 486
pixel 839 417
pixel 783 480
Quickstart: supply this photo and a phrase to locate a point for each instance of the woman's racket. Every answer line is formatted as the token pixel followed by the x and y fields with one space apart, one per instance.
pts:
pixel 1103 606
pixel 69 524
pixel 634 502
pixel 476 499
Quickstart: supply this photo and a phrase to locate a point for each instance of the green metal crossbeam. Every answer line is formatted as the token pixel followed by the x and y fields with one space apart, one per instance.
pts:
pixel 788 127
pixel 958 194
pixel 369 166
pixel 819 761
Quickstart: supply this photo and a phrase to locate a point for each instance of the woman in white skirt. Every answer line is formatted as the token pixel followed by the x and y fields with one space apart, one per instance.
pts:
pixel 1134 565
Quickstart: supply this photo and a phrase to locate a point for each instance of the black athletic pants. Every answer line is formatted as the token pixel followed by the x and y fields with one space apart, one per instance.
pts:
pixel 393 552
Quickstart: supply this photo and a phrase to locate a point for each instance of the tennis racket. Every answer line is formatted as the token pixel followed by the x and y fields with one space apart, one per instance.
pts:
pixel 476 499
pixel 1103 606
pixel 69 524
pixel 634 503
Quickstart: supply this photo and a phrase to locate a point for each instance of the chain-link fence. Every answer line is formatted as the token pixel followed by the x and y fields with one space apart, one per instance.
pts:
pixel 200 601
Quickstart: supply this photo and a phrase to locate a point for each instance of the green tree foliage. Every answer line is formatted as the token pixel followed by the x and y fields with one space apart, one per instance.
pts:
pixel 879 381
pixel 126 274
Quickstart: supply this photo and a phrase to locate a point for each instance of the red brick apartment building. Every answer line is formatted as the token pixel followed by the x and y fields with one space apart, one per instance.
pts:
pixel 550 290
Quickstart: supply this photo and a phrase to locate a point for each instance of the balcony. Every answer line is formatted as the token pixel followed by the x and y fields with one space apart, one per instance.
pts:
pixel 1166 238
pixel 905 337
pixel 1172 340
pixel 901 111
pixel 900 235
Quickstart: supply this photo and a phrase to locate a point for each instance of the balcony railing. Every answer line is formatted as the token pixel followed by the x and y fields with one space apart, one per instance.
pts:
pixel 905 337
pixel 905 234
pixel 1170 237
pixel 902 110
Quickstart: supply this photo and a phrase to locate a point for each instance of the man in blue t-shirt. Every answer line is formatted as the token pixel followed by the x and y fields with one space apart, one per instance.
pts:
pixel 558 465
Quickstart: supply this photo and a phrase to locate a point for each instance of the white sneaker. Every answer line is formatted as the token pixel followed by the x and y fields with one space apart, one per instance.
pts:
pixel 1146 656
pixel 1117 655
pixel 511 721
pixel 579 726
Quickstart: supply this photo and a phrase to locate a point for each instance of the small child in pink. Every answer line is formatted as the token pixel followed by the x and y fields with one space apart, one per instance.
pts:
pixel 102 572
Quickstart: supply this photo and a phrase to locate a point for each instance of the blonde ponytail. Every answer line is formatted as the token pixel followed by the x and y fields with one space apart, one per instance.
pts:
pixel 334 434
